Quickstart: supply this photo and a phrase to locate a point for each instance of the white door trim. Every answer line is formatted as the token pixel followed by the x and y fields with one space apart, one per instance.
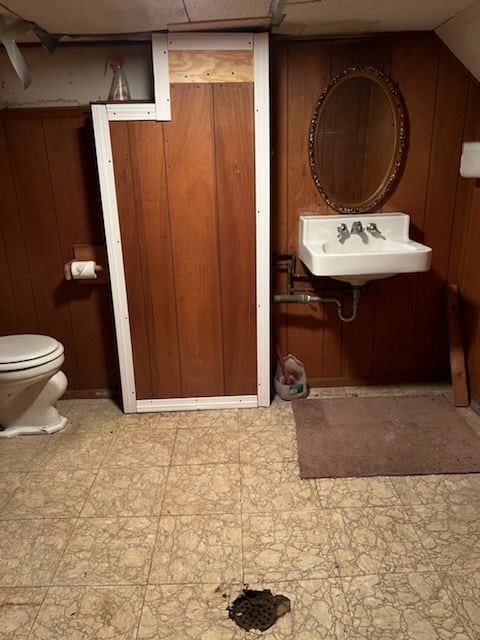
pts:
pixel 262 208
pixel 102 114
pixel 195 404
pixel 103 146
pixel 161 80
pixel 131 111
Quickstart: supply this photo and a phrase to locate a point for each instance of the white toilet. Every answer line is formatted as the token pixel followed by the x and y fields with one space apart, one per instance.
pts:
pixel 30 384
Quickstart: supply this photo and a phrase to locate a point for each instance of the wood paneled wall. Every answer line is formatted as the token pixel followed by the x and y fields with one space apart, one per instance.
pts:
pixel 185 192
pixel 400 332
pixel 49 199
pixel 49 202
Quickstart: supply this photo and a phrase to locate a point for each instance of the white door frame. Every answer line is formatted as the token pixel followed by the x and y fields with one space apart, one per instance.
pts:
pixel 102 114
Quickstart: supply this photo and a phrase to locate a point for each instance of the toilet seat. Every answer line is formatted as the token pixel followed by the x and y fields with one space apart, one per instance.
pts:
pixel 26 351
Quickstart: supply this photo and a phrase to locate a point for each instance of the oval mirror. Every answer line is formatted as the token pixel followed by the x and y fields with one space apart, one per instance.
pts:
pixel 357 139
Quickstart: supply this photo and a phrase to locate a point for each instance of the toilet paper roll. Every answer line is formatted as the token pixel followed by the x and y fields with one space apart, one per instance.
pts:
pixel 83 269
pixel 470 160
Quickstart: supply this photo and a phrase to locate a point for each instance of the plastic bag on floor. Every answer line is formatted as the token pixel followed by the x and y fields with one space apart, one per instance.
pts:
pixel 297 386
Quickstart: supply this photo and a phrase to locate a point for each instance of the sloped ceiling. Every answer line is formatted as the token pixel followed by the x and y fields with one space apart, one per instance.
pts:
pixel 457 22
pixel 363 16
pixel 462 35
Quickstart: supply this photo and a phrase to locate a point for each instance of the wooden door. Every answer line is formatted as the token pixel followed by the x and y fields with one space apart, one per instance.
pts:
pixel 186 203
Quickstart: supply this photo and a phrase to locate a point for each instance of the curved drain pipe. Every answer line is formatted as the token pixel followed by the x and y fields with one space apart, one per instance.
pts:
pixel 305 298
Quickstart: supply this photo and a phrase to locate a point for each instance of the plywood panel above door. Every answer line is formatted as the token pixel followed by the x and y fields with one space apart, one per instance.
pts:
pixel 210 66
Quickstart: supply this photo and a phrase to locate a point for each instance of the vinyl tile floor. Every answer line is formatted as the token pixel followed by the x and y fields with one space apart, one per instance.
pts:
pixel 148 526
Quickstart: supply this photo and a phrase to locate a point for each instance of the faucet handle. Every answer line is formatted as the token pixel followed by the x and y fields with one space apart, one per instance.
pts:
pixel 342 230
pixel 372 227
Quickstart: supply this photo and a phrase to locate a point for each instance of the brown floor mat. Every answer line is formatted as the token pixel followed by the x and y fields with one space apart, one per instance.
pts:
pixel 382 436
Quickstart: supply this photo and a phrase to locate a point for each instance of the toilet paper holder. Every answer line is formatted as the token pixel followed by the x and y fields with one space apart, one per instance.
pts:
pixel 87 253
pixel 71 275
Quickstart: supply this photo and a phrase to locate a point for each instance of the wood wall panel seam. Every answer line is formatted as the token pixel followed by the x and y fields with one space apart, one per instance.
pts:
pixel 172 260
pixel 213 119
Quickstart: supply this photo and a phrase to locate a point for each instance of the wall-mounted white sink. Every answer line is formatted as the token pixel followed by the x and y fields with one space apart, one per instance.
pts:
pixel 380 247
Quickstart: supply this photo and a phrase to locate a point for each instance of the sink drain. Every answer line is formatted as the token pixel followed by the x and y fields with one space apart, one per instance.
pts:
pixel 258 609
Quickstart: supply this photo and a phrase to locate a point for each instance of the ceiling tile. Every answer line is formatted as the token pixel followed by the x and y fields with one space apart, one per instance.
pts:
pixel 199 10
pixel 100 16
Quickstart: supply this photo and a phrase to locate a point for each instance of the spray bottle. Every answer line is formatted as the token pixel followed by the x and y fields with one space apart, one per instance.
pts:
pixel 119 90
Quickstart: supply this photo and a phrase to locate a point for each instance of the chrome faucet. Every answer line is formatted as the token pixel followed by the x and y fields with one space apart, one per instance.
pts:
pixel 372 227
pixel 357 227
pixel 342 231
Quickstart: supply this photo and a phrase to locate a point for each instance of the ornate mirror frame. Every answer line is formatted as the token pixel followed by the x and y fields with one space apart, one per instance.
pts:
pixel 391 92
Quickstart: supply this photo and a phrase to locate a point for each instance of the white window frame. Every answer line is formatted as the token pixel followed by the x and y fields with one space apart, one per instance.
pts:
pixel 102 115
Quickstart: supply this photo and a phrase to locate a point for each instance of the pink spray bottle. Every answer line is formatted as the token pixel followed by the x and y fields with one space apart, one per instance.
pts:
pixel 119 90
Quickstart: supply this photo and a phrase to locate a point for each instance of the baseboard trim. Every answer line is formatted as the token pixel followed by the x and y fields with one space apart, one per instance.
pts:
pixel 374 380
pixel 90 394
pixel 195 404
